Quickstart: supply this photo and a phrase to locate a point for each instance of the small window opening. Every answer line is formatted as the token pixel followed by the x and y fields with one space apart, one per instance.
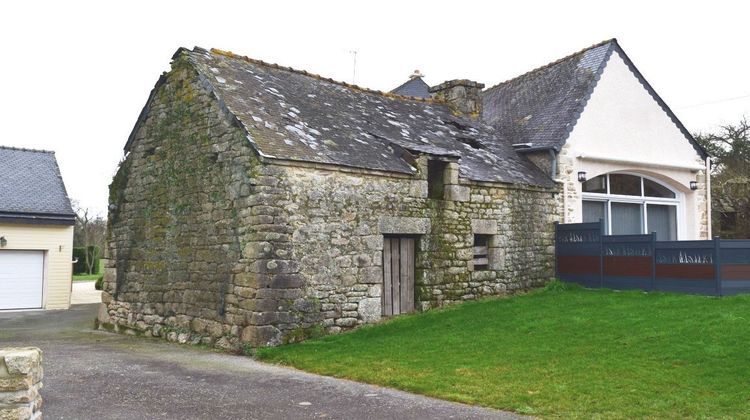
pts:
pixel 481 252
pixel 435 179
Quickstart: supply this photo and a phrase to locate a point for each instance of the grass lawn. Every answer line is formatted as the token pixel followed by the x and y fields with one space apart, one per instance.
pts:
pixel 558 352
pixel 89 277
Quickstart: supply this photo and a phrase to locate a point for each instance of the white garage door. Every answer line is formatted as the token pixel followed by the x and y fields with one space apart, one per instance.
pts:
pixel 21 279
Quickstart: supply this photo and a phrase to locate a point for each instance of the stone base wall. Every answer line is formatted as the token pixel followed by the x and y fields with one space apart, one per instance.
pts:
pixel 20 381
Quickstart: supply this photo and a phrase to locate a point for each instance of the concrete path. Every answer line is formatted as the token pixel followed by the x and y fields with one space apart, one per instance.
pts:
pixel 97 375
pixel 85 292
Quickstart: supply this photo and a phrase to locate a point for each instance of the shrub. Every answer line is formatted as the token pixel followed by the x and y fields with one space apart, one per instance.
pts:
pixel 80 253
pixel 98 284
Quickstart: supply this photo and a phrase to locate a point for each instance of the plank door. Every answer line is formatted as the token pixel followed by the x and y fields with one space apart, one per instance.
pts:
pixel 398 275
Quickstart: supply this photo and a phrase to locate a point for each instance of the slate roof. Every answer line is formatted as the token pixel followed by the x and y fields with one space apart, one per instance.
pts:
pixel 293 115
pixel 415 87
pixel 542 106
pixel 31 188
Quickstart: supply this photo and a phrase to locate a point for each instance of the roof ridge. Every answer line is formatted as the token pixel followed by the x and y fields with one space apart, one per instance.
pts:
pixel 548 65
pixel 24 149
pixel 316 76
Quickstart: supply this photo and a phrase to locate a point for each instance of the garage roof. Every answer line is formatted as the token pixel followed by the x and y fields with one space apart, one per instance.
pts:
pixel 31 188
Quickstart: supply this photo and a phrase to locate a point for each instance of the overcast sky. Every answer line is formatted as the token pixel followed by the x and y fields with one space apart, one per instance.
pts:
pixel 76 74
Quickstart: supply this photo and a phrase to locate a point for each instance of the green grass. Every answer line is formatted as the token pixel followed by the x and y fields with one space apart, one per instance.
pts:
pixel 559 352
pixel 89 277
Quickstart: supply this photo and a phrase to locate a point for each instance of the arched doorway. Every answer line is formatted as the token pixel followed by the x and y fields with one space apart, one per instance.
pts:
pixel 631 204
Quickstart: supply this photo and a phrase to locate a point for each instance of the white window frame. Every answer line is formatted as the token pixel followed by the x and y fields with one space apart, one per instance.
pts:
pixel 643 200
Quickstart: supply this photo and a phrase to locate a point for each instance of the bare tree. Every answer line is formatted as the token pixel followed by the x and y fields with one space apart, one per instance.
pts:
pixel 729 148
pixel 90 232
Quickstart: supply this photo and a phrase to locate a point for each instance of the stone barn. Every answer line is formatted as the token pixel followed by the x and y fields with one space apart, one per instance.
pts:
pixel 258 205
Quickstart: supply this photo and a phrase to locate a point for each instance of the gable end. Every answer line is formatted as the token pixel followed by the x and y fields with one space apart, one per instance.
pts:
pixel 204 82
pixel 676 121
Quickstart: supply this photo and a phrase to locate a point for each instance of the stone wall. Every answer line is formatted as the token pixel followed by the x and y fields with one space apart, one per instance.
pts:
pixel 180 216
pixel 570 199
pixel 209 243
pixel 337 220
pixel 702 206
pixel 20 382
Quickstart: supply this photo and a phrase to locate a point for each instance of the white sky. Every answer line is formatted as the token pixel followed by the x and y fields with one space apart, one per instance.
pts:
pixel 76 74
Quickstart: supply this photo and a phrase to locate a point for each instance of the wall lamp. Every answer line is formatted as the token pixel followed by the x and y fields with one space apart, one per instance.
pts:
pixel 3 241
pixel 582 176
pixel 693 185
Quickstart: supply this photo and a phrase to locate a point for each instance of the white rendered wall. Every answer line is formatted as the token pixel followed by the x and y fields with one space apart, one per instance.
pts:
pixel 624 129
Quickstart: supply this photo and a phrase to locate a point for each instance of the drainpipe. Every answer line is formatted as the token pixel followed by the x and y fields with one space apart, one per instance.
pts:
pixel 553 159
pixel 708 194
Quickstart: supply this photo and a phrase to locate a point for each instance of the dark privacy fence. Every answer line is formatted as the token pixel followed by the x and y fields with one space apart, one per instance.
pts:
pixel 714 267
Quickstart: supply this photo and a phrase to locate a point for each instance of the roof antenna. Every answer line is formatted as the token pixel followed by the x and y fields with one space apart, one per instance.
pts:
pixel 354 67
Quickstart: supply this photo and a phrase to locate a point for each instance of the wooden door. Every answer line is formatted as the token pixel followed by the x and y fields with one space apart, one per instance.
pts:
pixel 398 275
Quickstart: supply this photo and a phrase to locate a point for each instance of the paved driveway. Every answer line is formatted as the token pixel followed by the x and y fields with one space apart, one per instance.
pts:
pixel 97 375
pixel 85 292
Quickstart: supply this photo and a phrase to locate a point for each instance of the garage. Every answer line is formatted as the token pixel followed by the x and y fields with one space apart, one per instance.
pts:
pixel 36 232
pixel 21 279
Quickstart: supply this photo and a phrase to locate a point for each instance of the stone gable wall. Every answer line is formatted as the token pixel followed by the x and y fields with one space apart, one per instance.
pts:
pixel 210 244
pixel 179 220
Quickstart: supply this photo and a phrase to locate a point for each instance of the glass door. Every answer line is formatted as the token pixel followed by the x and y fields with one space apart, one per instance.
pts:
pixel 662 219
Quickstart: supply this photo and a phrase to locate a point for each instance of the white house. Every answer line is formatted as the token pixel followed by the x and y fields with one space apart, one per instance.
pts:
pixel 36 232
pixel 620 154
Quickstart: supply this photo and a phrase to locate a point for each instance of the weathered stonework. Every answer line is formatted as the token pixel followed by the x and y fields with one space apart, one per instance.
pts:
pixel 20 381
pixel 463 96
pixel 568 178
pixel 211 243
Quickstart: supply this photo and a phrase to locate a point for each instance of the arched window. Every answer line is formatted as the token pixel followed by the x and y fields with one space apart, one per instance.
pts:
pixel 631 204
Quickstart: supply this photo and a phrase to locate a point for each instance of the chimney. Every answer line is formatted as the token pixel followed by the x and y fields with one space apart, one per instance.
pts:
pixel 416 75
pixel 463 96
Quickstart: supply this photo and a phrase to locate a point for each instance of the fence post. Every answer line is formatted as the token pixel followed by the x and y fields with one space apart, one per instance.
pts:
pixel 653 261
pixel 717 264
pixel 601 253
pixel 557 227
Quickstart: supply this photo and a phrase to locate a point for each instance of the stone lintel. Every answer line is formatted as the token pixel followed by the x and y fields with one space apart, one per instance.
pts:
pixel 457 193
pixel 484 226
pixel 404 225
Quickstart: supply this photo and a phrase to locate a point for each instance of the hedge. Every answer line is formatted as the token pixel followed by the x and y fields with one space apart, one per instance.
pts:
pixel 80 253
